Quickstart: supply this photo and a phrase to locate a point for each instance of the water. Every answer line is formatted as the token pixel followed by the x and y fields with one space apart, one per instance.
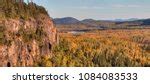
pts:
pixel 76 32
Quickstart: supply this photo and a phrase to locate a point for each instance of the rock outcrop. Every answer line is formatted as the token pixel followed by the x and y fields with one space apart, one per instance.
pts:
pixel 24 41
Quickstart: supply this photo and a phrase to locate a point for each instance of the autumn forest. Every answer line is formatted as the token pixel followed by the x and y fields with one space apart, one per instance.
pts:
pixel 30 37
pixel 106 48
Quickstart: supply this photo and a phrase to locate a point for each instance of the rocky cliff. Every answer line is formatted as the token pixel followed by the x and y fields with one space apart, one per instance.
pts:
pixel 24 41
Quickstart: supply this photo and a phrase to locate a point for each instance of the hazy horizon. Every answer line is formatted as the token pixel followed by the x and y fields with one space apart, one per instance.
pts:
pixel 97 9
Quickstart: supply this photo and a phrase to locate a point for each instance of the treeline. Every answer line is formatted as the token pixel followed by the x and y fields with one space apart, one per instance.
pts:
pixel 20 9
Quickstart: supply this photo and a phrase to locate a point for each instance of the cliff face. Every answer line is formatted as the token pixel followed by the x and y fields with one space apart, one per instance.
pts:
pixel 23 42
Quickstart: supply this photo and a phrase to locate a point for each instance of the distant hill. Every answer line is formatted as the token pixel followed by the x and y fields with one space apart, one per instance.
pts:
pixel 139 22
pixel 66 20
pixel 123 20
pixel 144 21
pixel 88 20
pixel 70 23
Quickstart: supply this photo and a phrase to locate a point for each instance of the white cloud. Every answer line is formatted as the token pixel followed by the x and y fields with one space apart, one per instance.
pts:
pixel 125 6
pixel 109 6
pixel 133 6
pixel 89 7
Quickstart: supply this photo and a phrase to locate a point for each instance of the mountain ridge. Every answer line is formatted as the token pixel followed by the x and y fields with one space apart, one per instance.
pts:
pixel 65 20
pixel 68 19
pixel 91 24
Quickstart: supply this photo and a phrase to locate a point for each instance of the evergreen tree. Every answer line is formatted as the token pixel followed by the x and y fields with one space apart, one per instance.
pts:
pixel 20 9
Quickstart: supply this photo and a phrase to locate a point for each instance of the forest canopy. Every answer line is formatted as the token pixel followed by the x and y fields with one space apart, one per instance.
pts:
pixel 20 9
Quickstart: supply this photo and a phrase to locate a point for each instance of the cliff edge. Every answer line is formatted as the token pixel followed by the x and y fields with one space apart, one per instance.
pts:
pixel 27 33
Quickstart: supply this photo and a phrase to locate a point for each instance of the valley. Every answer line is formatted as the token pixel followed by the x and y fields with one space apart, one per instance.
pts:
pixel 103 48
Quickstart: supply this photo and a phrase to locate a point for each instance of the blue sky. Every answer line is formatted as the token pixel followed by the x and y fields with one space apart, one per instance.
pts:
pixel 97 9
